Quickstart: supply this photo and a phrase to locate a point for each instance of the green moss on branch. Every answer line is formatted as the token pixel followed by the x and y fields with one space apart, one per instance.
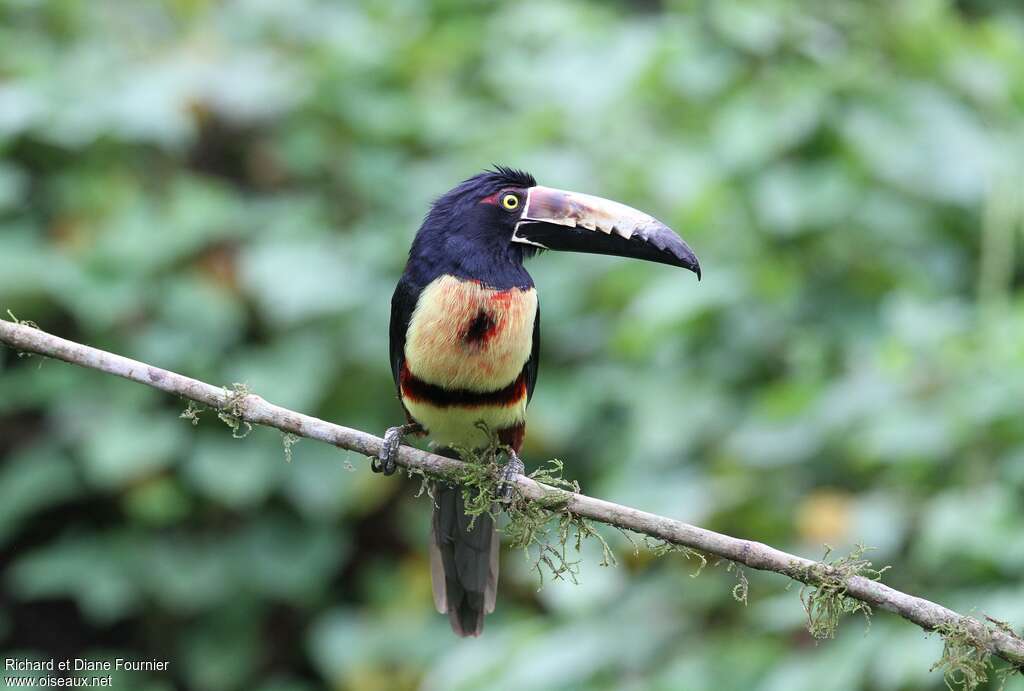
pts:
pixel 824 593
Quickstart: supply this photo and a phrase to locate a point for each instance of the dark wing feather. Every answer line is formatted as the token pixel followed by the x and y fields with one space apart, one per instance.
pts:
pixel 403 302
pixel 534 361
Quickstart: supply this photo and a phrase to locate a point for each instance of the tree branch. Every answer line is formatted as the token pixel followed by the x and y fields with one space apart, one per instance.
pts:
pixel 998 640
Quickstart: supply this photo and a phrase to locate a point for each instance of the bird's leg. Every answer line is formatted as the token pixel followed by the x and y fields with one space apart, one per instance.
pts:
pixel 513 468
pixel 385 460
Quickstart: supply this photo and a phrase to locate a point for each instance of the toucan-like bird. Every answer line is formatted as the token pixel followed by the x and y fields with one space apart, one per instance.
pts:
pixel 465 342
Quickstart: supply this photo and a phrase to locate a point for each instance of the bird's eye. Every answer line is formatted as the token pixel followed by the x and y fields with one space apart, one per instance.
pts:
pixel 510 202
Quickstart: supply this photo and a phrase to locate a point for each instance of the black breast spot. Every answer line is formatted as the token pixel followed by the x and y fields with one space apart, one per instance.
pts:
pixel 479 329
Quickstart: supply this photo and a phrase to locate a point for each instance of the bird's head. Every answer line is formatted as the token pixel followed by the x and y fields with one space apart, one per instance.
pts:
pixel 506 210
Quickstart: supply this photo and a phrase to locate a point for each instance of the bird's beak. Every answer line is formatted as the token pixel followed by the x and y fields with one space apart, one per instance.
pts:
pixel 559 220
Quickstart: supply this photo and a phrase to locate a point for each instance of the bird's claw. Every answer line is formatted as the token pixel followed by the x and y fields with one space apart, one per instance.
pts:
pixel 385 460
pixel 513 469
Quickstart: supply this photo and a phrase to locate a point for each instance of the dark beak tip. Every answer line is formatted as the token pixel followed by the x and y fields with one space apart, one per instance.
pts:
pixel 668 242
pixel 688 259
pixel 695 265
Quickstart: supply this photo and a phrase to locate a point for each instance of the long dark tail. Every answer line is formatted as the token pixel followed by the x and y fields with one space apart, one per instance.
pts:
pixel 463 562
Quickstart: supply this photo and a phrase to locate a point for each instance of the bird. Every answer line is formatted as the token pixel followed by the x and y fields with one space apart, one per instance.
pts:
pixel 465 344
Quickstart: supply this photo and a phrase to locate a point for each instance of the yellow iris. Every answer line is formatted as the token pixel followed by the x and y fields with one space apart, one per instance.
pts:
pixel 510 201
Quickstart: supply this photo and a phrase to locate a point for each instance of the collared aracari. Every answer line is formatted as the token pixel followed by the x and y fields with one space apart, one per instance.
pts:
pixel 465 341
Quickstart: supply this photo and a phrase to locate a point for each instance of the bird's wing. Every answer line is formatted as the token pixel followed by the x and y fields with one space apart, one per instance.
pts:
pixel 403 302
pixel 534 361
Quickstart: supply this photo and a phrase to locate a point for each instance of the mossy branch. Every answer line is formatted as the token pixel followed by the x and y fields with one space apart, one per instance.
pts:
pixel 544 528
pixel 824 594
pixel 832 587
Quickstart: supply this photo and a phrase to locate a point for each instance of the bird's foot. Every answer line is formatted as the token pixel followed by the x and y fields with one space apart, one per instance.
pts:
pixel 513 468
pixel 385 460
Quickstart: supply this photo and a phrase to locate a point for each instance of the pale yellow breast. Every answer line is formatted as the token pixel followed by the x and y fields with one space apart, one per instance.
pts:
pixel 463 335
pixel 457 426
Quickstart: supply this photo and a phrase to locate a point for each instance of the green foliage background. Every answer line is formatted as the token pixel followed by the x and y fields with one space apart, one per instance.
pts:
pixel 228 190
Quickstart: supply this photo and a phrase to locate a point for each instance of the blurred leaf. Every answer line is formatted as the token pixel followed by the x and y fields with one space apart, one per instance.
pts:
pixel 93 571
pixel 30 482
pixel 220 653
pixel 322 280
pixel 123 446
pixel 288 560
pixel 235 472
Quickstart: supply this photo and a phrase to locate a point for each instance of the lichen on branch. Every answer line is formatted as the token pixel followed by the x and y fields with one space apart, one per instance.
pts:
pixel 232 413
pixel 825 590
pixel 543 528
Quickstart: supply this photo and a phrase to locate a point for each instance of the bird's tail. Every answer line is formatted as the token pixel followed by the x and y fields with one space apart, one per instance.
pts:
pixel 463 562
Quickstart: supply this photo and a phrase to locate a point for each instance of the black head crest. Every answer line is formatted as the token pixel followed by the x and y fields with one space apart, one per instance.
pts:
pixel 510 177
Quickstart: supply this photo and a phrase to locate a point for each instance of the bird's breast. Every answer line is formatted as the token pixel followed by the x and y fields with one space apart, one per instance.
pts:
pixel 466 336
